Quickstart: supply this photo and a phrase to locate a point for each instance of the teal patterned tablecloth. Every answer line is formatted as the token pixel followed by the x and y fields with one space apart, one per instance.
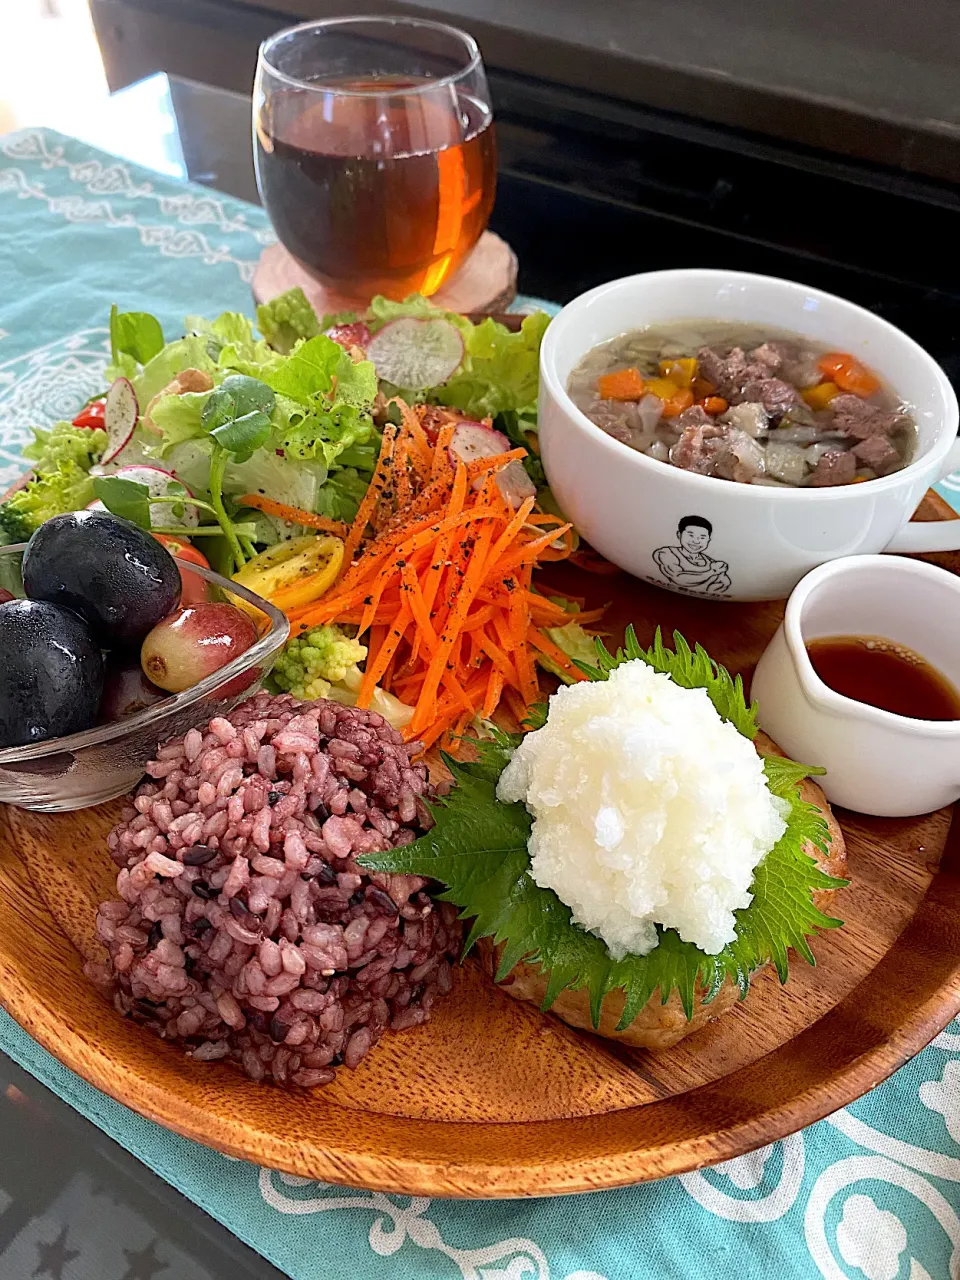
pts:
pixel 873 1191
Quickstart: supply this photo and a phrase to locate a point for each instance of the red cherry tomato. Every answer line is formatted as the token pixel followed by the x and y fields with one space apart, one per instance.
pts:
pixel 350 335
pixel 91 416
pixel 194 590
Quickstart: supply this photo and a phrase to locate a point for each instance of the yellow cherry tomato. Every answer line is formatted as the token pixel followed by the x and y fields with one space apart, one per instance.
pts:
pixel 302 569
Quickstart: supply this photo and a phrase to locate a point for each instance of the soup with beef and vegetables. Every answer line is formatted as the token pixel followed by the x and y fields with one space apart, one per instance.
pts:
pixel 745 403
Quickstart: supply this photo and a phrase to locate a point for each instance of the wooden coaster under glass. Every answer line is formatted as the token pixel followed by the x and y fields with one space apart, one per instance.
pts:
pixel 487 281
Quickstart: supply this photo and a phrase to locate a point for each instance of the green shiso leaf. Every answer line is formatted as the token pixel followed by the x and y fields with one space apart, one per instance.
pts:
pixel 478 849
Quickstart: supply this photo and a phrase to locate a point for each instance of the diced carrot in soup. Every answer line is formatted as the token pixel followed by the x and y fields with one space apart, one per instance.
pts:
pixel 714 405
pixel 675 399
pixel 621 384
pixel 848 373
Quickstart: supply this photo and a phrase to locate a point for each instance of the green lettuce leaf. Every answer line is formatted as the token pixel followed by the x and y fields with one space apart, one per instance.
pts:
pixel 500 370
pixel 179 418
pixel 570 639
pixel 321 367
pixel 478 848
pixel 158 373
pixel 134 333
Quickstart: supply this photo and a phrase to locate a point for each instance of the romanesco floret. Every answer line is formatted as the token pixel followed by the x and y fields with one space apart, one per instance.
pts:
pixel 63 443
pixel 311 663
pixel 286 319
pixel 61 458
pixel 68 489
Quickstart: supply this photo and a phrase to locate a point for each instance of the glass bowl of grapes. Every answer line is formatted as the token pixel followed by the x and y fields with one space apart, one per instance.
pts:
pixel 110 647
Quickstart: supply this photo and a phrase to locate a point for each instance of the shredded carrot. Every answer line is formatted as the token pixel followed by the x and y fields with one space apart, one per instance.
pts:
pixel 438 579
pixel 371 497
pixel 441 450
pixel 539 641
pixel 293 515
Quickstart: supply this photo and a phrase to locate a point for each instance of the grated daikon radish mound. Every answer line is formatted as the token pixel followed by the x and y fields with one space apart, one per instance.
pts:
pixel 659 1026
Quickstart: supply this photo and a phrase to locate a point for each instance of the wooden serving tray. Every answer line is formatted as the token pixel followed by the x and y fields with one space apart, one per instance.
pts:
pixel 492 1098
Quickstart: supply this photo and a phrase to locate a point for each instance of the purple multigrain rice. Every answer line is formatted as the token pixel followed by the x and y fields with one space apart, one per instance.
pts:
pixel 245 928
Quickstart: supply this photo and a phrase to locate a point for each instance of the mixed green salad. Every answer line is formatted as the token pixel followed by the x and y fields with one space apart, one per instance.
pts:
pixel 290 408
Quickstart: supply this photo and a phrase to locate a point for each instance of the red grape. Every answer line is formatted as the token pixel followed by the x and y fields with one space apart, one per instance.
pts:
pixel 193 642
pixel 126 690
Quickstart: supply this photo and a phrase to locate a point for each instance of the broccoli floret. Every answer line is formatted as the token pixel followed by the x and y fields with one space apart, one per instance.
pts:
pixel 311 663
pixel 286 319
pixel 67 489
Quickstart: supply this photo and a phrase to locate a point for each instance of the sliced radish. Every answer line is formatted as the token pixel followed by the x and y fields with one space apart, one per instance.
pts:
pixel 120 413
pixel 514 483
pixel 158 482
pixel 416 354
pixel 350 335
pixel 472 440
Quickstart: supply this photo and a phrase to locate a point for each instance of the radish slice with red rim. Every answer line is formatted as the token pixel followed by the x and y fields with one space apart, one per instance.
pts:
pixel 472 440
pixel 416 354
pixel 120 413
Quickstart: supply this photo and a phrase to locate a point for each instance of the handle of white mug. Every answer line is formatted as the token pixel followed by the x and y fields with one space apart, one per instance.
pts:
pixel 931 535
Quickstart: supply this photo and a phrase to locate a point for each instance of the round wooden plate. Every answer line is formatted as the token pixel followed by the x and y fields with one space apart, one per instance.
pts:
pixel 492 1098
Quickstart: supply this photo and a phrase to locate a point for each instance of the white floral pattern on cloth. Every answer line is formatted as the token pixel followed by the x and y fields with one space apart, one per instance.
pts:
pixel 943 1096
pixel 114 178
pixel 823 1203
pixel 871 1239
pixel 395 1222
pixel 44 386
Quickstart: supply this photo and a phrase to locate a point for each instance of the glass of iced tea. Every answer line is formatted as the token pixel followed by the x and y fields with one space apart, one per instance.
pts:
pixel 375 150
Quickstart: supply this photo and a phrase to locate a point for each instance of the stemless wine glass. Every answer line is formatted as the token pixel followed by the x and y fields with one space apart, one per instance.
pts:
pixel 375 150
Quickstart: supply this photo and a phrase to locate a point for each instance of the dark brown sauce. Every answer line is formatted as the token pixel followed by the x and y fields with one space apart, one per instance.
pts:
pixel 886 675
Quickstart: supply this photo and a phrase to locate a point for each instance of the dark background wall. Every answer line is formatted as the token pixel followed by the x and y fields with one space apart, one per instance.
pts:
pixel 878 80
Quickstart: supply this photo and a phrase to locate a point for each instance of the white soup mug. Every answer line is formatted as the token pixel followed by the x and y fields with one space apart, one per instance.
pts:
pixel 715 538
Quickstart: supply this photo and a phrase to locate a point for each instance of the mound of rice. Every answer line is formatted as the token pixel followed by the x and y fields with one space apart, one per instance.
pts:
pixel 244 928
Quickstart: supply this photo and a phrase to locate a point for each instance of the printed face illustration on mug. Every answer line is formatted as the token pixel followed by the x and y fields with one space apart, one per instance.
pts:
pixel 687 566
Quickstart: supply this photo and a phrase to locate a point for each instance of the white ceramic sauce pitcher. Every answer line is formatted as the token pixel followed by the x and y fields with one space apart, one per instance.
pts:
pixel 876 762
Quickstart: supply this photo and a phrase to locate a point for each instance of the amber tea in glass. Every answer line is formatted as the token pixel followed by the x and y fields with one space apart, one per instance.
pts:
pixel 375 151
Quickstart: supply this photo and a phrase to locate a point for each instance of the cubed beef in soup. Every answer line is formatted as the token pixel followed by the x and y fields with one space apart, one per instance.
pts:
pixel 860 419
pixel 771 355
pixel 695 416
pixel 695 449
pixel 835 467
pixel 728 372
pixel 877 453
pixel 618 418
pixel 733 372
pixel 773 393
